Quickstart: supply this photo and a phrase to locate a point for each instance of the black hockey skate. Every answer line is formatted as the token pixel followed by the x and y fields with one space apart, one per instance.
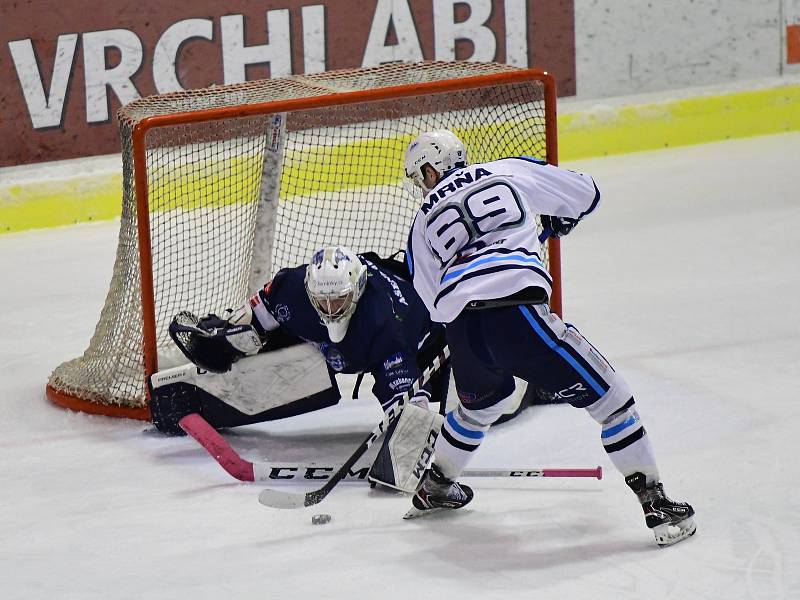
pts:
pixel 436 492
pixel 670 521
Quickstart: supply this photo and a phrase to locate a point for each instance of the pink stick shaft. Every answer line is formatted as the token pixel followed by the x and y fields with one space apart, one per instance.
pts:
pixel 598 472
pixel 220 450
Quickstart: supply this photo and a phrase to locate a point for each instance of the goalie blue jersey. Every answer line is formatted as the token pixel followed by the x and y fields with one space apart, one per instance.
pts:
pixel 384 334
pixel 475 235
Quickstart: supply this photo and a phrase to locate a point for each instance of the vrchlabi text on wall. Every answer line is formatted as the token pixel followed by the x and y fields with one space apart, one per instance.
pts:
pixel 65 69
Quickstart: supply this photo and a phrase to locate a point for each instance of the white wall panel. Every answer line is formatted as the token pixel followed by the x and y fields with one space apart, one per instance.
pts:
pixel 627 47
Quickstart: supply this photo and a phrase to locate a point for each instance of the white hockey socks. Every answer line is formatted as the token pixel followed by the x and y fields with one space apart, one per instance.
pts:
pixel 463 432
pixel 627 443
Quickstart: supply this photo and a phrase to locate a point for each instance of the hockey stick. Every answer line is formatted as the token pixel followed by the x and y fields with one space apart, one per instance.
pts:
pixel 291 472
pixel 219 449
pixel 244 470
pixel 280 499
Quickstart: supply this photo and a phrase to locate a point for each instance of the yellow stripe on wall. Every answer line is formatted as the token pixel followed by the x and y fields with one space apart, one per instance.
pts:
pixel 597 132
pixel 678 123
pixel 50 203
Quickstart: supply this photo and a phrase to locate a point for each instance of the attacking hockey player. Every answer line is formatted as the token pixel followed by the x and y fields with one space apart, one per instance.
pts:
pixel 358 313
pixel 474 254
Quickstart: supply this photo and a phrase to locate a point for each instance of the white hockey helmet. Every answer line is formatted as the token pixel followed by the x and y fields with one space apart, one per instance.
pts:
pixel 441 149
pixel 335 280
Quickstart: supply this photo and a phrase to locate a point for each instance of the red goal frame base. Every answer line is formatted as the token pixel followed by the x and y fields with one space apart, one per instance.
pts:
pixel 107 410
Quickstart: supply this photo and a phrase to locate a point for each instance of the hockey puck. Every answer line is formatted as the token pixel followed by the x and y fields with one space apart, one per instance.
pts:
pixel 320 519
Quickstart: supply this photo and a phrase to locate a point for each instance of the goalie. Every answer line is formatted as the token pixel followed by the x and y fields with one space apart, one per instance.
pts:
pixel 358 315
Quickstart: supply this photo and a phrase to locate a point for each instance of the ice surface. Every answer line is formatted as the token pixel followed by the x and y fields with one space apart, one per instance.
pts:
pixel 700 314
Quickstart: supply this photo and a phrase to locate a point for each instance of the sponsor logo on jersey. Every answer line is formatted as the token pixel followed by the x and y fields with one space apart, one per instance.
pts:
pixel 336 361
pixel 402 382
pixel 456 181
pixel 392 283
pixel 393 361
pixel 333 357
pixel 282 313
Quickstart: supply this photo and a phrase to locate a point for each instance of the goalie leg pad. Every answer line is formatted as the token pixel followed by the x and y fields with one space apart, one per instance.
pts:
pixel 407 449
pixel 271 379
pixel 170 403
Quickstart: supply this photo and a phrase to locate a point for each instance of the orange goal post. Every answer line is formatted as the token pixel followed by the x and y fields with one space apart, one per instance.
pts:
pixel 223 186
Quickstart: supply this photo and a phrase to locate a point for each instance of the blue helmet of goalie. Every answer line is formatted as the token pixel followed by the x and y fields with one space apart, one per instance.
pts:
pixel 335 280
pixel 441 149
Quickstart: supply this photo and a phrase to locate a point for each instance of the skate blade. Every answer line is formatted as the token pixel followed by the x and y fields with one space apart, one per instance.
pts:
pixel 668 535
pixel 414 512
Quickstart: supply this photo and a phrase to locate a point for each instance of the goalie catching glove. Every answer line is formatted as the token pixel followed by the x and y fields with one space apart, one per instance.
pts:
pixel 214 343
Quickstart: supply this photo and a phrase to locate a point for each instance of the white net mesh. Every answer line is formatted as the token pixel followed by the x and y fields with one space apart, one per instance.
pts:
pixel 336 171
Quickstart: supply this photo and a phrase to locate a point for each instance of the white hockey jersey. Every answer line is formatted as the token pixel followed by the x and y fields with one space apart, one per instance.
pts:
pixel 475 236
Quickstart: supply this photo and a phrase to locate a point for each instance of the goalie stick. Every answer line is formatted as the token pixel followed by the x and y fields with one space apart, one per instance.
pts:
pixel 244 470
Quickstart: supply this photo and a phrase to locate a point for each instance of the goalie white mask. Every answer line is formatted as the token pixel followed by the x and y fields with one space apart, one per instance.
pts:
pixel 335 280
pixel 440 149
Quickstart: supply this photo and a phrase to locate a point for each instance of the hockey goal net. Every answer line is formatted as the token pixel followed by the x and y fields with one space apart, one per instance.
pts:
pixel 224 186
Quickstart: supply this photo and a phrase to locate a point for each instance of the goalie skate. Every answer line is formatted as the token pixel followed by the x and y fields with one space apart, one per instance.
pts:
pixel 670 521
pixel 437 493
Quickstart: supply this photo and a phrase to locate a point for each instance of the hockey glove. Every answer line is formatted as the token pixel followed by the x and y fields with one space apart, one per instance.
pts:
pixel 558 226
pixel 212 343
